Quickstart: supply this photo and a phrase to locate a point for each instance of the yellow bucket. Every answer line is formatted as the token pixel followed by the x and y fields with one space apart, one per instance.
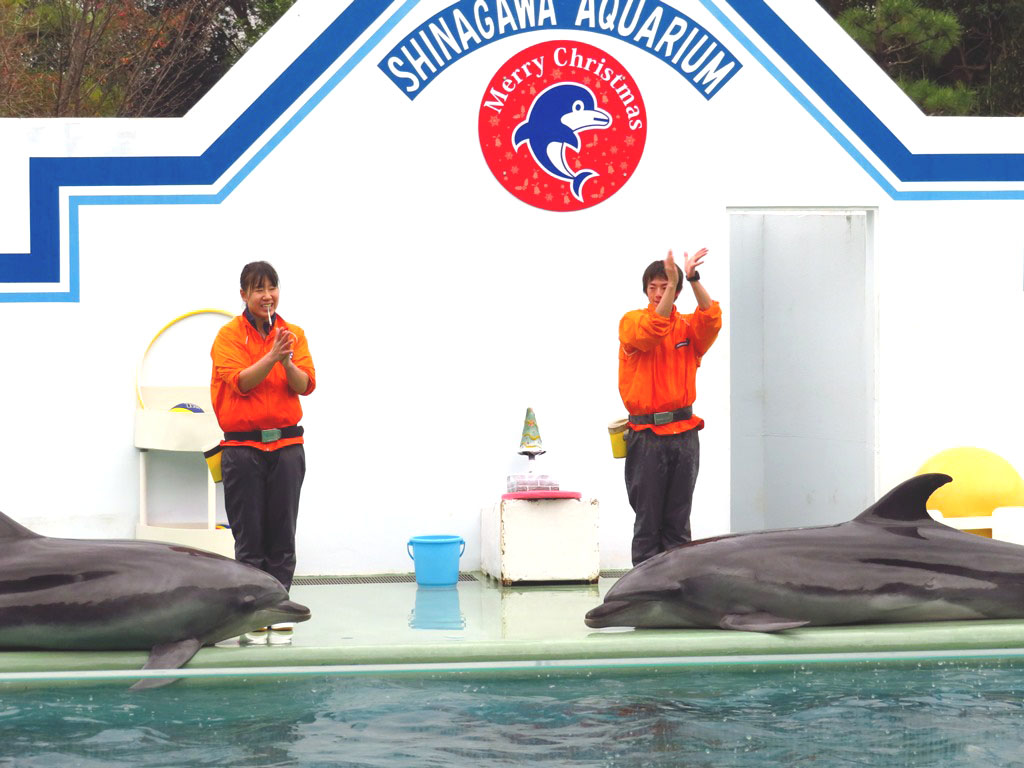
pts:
pixel 617 432
pixel 213 457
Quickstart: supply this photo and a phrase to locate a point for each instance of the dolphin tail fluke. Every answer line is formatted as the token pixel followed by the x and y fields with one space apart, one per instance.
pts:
pixel 577 182
pixel 167 656
pixel 759 622
pixel 907 502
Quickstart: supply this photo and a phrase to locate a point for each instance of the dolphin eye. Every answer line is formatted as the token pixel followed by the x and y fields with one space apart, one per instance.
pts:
pixel 577 106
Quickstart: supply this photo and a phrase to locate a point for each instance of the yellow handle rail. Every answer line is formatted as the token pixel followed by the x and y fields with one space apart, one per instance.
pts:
pixel 179 318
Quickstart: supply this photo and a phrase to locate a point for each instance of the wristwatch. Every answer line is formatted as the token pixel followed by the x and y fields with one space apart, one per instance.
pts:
pixel 695 278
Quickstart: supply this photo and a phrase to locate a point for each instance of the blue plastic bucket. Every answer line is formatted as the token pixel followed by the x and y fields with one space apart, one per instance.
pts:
pixel 436 559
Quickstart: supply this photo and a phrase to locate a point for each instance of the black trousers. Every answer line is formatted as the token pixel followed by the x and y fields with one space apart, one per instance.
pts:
pixel 261 498
pixel 661 472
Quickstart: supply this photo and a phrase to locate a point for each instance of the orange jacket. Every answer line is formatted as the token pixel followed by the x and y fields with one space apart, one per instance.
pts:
pixel 270 404
pixel 658 361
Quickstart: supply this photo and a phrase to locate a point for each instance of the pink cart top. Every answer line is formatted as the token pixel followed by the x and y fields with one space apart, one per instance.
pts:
pixel 533 495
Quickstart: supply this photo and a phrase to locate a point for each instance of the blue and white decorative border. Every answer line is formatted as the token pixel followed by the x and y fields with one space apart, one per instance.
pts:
pixel 891 153
pixel 47 176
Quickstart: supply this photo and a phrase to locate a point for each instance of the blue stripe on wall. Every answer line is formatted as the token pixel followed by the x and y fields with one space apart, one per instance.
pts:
pixel 48 175
pixel 905 165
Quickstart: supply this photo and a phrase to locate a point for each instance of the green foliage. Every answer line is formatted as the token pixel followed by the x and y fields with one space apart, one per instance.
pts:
pixel 901 34
pixel 262 15
pixel 95 58
pixel 990 58
pixel 935 99
pixel 951 56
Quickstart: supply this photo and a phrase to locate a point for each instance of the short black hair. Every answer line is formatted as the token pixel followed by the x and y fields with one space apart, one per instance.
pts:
pixel 254 273
pixel 656 269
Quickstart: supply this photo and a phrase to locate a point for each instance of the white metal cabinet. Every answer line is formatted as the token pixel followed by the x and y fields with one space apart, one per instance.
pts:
pixel 543 538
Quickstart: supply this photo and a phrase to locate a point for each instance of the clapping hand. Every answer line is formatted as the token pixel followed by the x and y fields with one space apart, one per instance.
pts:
pixel 284 340
pixel 671 270
pixel 690 263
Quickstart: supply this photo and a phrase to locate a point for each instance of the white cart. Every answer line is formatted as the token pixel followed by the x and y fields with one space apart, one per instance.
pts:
pixel 541 537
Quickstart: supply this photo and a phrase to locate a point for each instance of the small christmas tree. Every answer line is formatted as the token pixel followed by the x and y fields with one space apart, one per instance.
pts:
pixel 530 445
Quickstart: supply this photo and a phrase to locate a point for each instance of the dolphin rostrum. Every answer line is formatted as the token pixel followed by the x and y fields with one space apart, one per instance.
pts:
pixel 86 595
pixel 892 563
pixel 556 117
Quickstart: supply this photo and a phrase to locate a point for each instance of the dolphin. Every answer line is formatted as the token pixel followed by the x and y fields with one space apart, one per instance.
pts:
pixel 90 595
pixel 554 122
pixel 892 563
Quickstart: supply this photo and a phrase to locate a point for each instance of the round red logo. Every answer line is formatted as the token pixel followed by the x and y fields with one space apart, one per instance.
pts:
pixel 562 125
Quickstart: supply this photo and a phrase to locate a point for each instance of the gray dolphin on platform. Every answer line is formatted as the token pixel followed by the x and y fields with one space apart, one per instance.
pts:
pixel 90 595
pixel 890 564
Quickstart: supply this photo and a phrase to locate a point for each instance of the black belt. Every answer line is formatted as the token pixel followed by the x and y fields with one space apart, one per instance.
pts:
pixel 662 417
pixel 265 435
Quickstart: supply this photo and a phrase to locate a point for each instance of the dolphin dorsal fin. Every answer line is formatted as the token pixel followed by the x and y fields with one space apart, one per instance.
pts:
pixel 12 530
pixel 907 501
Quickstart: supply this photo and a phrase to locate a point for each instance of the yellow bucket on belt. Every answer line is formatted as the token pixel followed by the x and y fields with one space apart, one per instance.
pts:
pixel 617 433
pixel 213 457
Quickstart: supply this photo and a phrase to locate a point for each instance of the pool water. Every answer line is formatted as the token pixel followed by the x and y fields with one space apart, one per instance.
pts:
pixel 938 713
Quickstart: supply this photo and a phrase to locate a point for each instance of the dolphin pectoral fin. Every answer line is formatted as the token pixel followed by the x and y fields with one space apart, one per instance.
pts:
pixel 167 656
pixel 758 622
pixel 521 134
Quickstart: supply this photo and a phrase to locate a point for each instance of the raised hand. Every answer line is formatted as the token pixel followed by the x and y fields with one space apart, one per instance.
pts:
pixel 671 271
pixel 690 263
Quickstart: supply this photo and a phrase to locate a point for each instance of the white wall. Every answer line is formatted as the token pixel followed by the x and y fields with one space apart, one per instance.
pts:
pixel 438 307
pixel 802 359
pixel 951 315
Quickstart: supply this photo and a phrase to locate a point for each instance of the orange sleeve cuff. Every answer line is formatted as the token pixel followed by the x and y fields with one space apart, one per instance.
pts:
pixel 714 311
pixel 232 379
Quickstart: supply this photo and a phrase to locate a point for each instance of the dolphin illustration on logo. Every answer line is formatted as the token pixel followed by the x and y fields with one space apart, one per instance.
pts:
pixel 553 124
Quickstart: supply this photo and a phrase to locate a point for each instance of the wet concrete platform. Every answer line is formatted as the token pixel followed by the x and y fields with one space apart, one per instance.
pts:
pixel 478 625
